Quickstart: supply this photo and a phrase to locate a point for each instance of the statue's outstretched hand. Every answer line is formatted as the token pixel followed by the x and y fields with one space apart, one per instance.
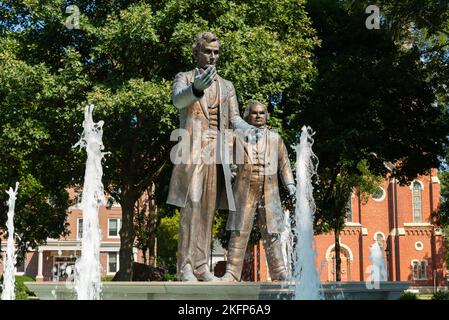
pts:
pixel 204 80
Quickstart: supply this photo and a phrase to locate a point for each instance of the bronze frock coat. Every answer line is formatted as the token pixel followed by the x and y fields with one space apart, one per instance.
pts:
pixel 194 116
pixel 276 163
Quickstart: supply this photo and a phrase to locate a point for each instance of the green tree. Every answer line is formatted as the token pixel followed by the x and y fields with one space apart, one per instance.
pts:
pixel 441 214
pixel 167 240
pixel 35 141
pixel 374 100
pixel 123 58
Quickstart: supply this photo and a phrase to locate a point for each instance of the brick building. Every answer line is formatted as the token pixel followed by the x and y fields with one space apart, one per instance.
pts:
pixel 399 219
pixel 50 262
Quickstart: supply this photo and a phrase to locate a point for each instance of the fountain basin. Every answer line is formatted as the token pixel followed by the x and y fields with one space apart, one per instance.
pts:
pixel 218 291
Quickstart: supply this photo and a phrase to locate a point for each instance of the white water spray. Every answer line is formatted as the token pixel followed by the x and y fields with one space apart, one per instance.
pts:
pixel 307 278
pixel 287 243
pixel 9 272
pixel 87 267
pixel 377 270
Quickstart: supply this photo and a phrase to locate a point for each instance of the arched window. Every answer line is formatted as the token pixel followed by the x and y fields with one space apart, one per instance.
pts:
pixel 349 210
pixel 380 238
pixel 419 269
pixel 416 201
pixel 415 269
pixel 423 270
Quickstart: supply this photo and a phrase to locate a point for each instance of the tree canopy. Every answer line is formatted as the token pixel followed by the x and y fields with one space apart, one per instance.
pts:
pixel 123 58
pixel 377 98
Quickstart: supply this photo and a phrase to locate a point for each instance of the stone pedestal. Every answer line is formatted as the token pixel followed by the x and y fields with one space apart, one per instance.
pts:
pixel 218 291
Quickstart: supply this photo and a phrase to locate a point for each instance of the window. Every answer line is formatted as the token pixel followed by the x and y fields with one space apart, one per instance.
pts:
pixel 113 262
pixel 114 227
pixel 423 270
pixel 419 269
pixel 419 245
pixel 379 194
pixel 416 199
pixel 80 229
pixel 349 210
pixel 415 267
pixel 380 238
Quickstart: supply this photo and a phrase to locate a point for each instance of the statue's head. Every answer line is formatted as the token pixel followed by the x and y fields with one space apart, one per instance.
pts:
pixel 256 114
pixel 206 49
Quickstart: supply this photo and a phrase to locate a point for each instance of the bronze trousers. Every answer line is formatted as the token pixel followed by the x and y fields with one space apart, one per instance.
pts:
pixel 196 221
pixel 239 239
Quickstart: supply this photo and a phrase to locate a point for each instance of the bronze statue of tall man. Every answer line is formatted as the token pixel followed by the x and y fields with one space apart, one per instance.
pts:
pixel 206 103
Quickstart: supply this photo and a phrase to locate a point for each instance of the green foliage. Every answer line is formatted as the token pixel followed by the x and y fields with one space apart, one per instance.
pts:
pixel 441 215
pixel 169 276
pixel 441 295
pixel 406 295
pixel 21 290
pixel 167 240
pixel 123 59
pixel 107 278
pixel 374 100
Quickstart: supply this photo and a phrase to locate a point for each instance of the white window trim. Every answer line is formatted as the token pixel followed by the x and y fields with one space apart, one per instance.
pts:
pixel 413 272
pixel 384 194
pixel 78 228
pixel 420 200
pixel 107 263
pixel 416 245
pixel 419 269
pixel 379 232
pixel 119 226
pixel 419 181
pixel 342 245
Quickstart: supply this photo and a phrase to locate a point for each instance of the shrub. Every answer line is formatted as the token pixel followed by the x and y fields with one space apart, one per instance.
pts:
pixel 22 292
pixel 169 277
pixel 107 278
pixel 406 295
pixel 441 295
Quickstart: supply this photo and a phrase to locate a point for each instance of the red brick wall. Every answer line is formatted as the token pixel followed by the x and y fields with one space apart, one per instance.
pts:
pixel 379 216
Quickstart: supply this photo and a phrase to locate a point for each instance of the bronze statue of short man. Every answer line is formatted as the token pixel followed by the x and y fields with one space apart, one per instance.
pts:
pixel 208 107
pixel 256 190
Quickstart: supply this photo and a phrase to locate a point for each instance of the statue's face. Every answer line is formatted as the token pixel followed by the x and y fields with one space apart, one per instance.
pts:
pixel 208 54
pixel 257 115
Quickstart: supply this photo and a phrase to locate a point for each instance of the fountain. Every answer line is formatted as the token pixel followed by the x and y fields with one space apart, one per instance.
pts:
pixel 305 273
pixel 9 273
pixel 307 281
pixel 287 242
pixel 87 267
pixel 377 270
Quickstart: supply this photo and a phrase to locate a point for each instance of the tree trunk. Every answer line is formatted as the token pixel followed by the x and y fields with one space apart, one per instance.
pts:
pixel 337 255
pixel 126 241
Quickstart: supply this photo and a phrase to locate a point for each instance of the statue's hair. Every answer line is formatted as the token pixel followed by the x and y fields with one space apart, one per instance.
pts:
pixel 248 109
pixel 203 38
